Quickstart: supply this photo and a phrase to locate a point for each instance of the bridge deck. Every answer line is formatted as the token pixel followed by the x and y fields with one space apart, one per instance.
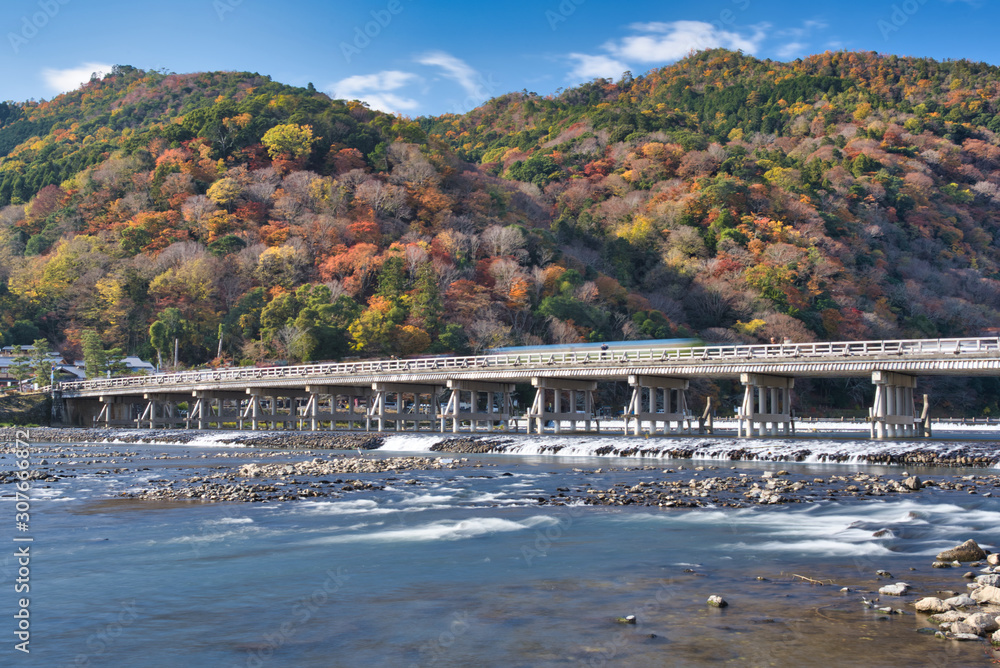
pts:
pixel 843 359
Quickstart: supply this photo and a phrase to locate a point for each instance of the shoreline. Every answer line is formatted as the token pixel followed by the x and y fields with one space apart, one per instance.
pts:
pixel 814 448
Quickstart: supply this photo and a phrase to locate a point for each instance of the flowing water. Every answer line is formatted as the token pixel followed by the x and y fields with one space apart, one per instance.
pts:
pixel 465 568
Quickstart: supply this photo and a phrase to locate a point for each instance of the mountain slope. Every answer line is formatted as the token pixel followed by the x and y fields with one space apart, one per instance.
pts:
pixel 847 195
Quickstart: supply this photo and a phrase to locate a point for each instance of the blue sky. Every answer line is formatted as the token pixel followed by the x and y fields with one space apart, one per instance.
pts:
pixel 420 57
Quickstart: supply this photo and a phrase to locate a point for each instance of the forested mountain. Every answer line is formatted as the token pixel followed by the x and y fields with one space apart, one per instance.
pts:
pixel 844 196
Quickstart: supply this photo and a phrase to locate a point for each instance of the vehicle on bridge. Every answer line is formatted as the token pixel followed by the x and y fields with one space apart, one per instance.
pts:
pixel 610 347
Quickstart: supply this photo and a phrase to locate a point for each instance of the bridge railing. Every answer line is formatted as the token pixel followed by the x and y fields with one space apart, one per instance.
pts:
pixel 567 358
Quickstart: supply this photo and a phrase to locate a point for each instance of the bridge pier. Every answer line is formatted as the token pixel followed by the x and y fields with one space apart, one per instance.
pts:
pixel 161 411
pixel 117 411
pixel 893 414
pixel 488 409
pixel 542 411
pixel 350 395
pixel 767 405
pixel 422 412
pixel 208 407
pixel 255 414
pixel 649 393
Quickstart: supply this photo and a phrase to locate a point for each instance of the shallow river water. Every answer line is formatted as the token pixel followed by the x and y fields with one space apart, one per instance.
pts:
pixel 464 568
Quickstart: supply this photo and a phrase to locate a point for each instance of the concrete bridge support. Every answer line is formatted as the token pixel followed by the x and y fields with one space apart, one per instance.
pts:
pixel 659 401
pixel 767 405
pixel 161 411
pixel 572 401
pixel 208 407
pixel 893 413
pixel 337 405
pixel 410 405
pixel 118 411
pixel 274 406
pixel 489 404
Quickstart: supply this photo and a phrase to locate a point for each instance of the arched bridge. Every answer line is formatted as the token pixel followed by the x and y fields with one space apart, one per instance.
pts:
pixel 472 392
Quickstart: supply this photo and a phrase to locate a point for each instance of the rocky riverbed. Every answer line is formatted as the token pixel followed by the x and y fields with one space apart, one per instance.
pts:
pixel 968 453
pixel 971 454
pixel 311 473
pixel 325 440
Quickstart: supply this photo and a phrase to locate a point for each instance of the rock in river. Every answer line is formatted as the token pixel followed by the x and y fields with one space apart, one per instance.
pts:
pixel 992 579
pixel 931 604
pixel 982 622
pixel 967 551
pixel 898 589
pixel 960 601
pixel 987 595
pixel 717 601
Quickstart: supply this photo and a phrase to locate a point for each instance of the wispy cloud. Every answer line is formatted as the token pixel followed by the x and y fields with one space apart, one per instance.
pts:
pixel 379 90
pixel 596 67
pixel 455 69
pixel 71 78
pixel 790 50
pixel 799 38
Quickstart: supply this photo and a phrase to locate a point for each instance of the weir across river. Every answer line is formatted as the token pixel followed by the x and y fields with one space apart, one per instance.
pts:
pixel 474 393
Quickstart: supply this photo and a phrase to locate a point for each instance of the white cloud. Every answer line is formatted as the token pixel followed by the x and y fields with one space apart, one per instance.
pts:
pixel 596 67
pixel 71 78
pixel 790 50
pixel 807 27
pixel 457 70
pixel 377 90
pixel 662 42
pixel 799 37
pixel 669 41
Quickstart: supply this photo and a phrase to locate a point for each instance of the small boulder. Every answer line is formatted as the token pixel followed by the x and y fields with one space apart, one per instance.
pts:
pixel 717 601
pixel 628 619
pixel 993 559
pixel 948 617
pixel 967 551
pixel 913 482
pixel 898 589
pixel 987 595
pixel 960 601
pixel 983 622
pixel 931 604
pixel 996 638
pixel 964 636
pixel 992 580
pixel 961 628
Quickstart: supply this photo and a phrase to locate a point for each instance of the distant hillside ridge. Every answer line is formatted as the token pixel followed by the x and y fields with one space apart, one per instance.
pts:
pixel 841 196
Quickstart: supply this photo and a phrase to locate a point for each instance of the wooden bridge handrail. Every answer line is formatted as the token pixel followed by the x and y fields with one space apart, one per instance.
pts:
pixel 569 358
